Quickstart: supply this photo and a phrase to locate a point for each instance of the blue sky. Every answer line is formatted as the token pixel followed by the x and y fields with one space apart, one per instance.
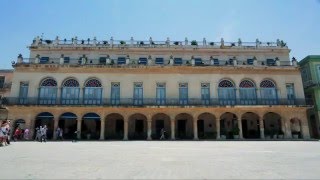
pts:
pixel 297 22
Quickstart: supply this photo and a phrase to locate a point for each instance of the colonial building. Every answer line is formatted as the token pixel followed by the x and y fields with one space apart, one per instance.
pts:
pixel 133 89
pixel 310 72
pixel 5 87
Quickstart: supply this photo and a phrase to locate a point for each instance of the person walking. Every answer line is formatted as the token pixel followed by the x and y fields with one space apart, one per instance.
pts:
pixel 58 133
pixel 3 134
pixel 43 132
pixel 75 136
pixel 162 134
pixel 26 134
pixel 38 134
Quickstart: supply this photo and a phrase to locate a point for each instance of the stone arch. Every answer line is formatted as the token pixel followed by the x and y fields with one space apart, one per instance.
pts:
pixel 228 121
pixel 48 88
pixel 250 125
pixel 184 126
pixel 137 126
pixel 68 124
pixel 114 126
pixel 226 82
pixel 93 82
pixel 268 83
pixel 247 83
pixel 226 92
pixel 160 121
pixel 45 119
pixel 92 91
pixel 90 127
pixel 206 125
pixel 272 125
pixel 296 128
pixel 70 82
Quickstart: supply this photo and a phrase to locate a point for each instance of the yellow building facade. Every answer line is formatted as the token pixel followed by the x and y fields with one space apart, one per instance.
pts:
pixel 141 89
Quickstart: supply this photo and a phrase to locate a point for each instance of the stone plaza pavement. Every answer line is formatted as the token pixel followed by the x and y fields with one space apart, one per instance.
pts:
pixel 161 160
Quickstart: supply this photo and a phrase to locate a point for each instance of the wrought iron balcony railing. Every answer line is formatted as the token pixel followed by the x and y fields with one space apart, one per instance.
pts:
pixel 153 102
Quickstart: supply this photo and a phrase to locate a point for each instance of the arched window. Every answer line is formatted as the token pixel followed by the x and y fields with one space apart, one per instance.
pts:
pixel 70 92
pixel 48 91
pixel 268 92
pixel 226 92
pixel 92 92
pixel 247 91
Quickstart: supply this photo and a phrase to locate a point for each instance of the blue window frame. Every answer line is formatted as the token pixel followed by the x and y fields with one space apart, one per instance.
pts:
pixel 271 62
pixel 44 60
pixel 102 60
pixel 183 93
pixel 216 61
pixel 159 61
pixel 138 94
pixel 70 92
pixel 177 60
pixel 48 91
pixel 66 60
pixel 115 93
pixel 290 93
pixel 268 92
pixel 143 61
pixel 23 92
pixel 227 93
pixel 205 93
pixel 92 92
pixel 161 94
pixel 121 60
pixel 250 61
pixel 197 61
pixel 247 91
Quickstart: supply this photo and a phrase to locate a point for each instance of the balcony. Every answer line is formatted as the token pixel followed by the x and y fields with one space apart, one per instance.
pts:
pixel 193 44
pixel 5 86
pixel 129 102
pixel 135 63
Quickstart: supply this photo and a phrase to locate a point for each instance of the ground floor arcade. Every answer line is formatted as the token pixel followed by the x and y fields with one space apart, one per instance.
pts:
pixel 109 123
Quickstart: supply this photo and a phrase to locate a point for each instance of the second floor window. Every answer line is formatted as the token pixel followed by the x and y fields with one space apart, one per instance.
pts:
pixel 48 91
pixel 161 94
pixel 247 91
pixel 205 93
pixel 290 93
pixel 268 92
pixel 115 93
pixel 197 61
pixel 44 60
pixel 70 92
pixel 23 92
pixel 226 92
pixel 183 93
pixel 102 60
pixel 92 92
pixel 66 60
pixel 138 93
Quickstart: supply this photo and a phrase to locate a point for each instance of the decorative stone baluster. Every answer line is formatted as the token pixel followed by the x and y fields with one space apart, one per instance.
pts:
pixel 111 41
pixel 108 61
pixel 171 60
pixel 150 61
pixel 277 61
pixel 294 62
pixel 239 42
pixel 192 61
pixel 168 41
pixel 204 41
pixel 235 62
pixel 222 42
pixel 37 60
pixel 76 40
pixel 186 41
pixel 83 60
pixel 94 41
pixel 62 59
pixel 37 40
pixel 56 41
pixel 255 61
pixel 20 58
pixel 257 42
pixel 128 60
pixel 211 61
pixel 131 41
pixel 150 41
